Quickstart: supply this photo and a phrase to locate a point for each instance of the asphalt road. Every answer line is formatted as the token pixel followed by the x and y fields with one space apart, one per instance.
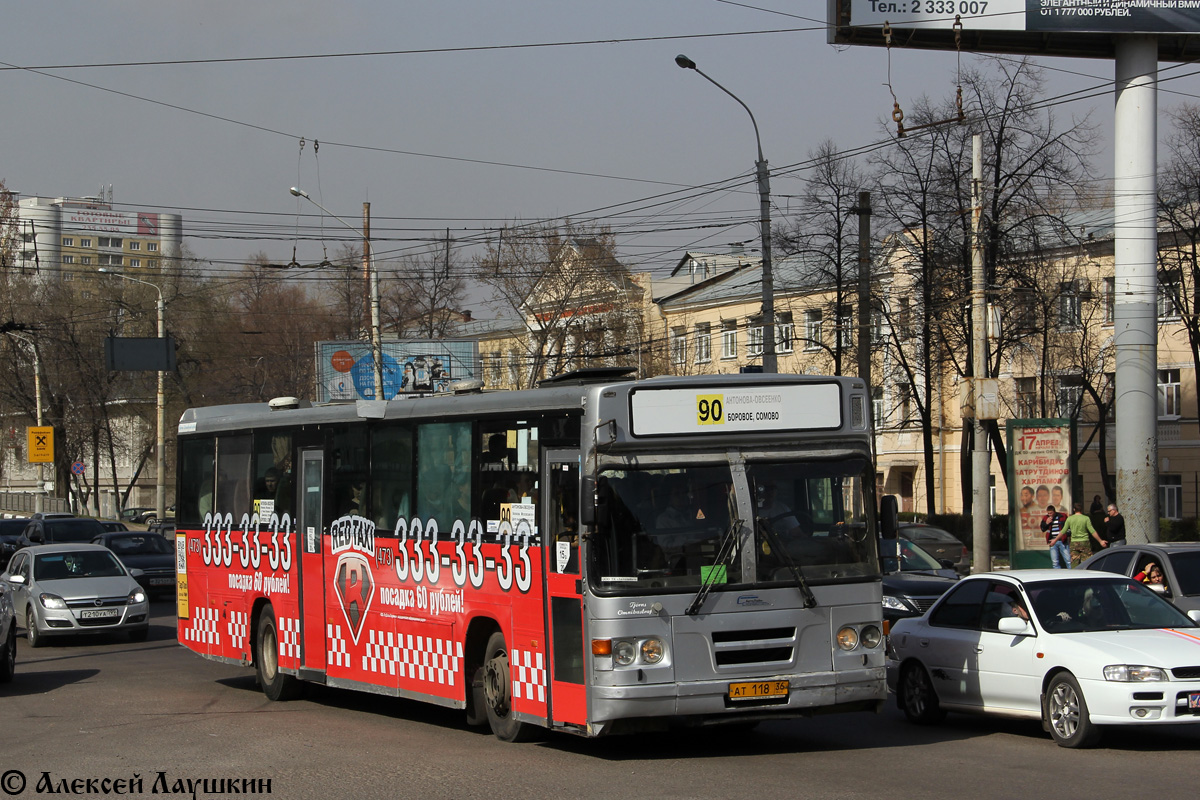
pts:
pixel 110 709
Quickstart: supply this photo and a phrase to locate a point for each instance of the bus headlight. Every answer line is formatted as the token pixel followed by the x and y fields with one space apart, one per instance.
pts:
pixel 847 638
pixel 653 651
pixel 623 653
pixel 871 636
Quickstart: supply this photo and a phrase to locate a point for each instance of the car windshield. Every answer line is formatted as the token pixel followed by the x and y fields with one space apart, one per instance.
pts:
pixel 138 545
pixel 898 555
pixel 76 564
pixel 1101 604
pixel 72 530
pixel 1187 572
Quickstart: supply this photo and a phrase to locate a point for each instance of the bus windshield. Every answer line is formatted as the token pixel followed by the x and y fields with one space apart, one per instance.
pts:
pixel 667 527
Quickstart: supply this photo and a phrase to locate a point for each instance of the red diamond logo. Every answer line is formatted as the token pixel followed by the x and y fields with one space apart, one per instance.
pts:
pixel 355 589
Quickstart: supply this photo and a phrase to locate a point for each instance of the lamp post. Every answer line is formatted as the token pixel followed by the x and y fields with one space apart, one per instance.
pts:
pixel 376 345
pixel 769 363
pixel 160 458
pixel 39 497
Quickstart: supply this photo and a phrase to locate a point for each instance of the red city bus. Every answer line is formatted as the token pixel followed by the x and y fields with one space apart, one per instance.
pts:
pixel 591 557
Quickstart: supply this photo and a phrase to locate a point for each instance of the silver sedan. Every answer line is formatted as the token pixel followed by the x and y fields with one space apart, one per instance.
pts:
pixel 61 589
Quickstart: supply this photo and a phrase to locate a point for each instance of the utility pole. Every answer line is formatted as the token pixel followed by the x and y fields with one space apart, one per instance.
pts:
pixel 981 560
pixel 863 210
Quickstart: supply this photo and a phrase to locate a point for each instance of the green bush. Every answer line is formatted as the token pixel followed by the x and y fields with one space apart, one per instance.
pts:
pixel 1179 530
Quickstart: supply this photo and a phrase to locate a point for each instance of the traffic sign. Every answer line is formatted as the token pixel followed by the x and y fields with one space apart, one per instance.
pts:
pixel 41 444
pixel 78 468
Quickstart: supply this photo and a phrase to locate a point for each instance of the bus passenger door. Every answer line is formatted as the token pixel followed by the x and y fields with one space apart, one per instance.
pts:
pixel 564 596
pixel 312 569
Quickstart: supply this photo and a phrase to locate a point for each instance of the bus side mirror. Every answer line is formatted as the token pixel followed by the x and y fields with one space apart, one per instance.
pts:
pixel 587 509
pixel 889 516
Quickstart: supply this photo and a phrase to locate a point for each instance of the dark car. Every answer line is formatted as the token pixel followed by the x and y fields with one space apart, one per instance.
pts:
pixel 1180 562
pixel 112 526
pixel 941 544
pixel 136 514
pixel 162 528
pixel 149 557
pixel 57 530
pixel 10 537
pixel 912 579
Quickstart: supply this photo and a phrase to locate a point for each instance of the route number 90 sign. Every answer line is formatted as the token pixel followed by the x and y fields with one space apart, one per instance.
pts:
pixel 663 412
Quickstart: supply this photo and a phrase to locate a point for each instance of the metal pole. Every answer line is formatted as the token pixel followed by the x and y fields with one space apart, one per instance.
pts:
pixel 863 210
pixel 39 497
pixel 981 559
pixel 1135 277
pixel 763 174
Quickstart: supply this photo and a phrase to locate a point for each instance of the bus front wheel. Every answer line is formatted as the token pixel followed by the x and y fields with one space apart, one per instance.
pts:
pixel 275 684
pixel 497 691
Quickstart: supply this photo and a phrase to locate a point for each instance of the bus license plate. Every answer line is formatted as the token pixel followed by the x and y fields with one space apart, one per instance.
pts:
pixel 99 613
pixel 758 690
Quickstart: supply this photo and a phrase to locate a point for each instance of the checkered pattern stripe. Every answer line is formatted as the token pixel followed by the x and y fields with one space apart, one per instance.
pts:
pixel 421 658
pixel 336 654
pixel 528 674
pixel 202 627
pixel 239 624
pixel 289 637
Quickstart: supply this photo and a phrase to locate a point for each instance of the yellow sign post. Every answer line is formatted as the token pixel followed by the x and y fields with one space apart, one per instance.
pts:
pixel 41 444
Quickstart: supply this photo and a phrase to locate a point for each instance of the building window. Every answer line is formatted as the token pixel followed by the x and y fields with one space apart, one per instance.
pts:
pixel 1170 496
pixel 68 276
pixel 754 336
pixel 678 345
pixel 1070 313
pixel 85 260
pixel 152 264
pixel 877 329
pixel 115 261
pixel 785 332
pixel 109 241
pixel 493 369
pixel 68 259
pixel 904 402
pixel 703 342
pixel 1167 291
pixel 135 262
pixel 1110 299
pixel 877 406
pixel 135 245
pixel 1069 396
pixel 845 330
pixel 85 242
pixel 729 338
pixel 68 241
pixel 152 247
pixel 812 330
pixel 904 320
pixel 1168 393
pixel 514 368
pixel 1027 400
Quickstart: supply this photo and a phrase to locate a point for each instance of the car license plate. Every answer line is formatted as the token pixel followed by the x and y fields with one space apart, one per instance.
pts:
pixel 1194 700
pixel 99 613
pixel 758 690
pixel 161 581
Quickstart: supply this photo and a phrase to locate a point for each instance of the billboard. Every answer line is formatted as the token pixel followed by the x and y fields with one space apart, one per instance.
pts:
pixel 99 220
pixel 345 370
pixel 1080 16
pixel 1040 473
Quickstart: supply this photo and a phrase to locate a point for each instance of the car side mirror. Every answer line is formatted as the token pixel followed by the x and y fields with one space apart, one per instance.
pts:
pixel 1014 626
pixel 35 535
pixel 1157 588
pixel 946 563
pixel 1194 615
pixel 19 580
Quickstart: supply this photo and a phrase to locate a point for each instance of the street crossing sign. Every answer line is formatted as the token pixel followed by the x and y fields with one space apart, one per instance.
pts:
pixel 41 444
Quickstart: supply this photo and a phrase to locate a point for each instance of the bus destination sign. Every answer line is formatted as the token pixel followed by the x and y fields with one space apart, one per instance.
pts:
pixel 665 412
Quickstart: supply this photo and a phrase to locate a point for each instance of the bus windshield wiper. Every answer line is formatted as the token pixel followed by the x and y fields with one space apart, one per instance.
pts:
pixel 725 551
pixel 810 599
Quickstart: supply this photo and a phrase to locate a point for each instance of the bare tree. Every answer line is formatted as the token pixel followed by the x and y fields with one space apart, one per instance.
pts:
pixel 421 294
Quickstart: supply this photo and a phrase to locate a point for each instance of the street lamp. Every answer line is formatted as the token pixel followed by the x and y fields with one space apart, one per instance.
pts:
pixel 160 459
pixel 39 497
pixel 764 196
pixel 376 345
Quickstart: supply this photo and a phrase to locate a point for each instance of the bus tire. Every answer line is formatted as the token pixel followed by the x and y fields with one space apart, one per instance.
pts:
pixel 497 690
pixel 275 684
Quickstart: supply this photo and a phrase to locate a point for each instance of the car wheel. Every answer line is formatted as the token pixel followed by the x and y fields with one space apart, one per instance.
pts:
pixel 150 522
pixel 497 690
pixel 8 655
pixel 275 684
pixel 1067 714
pixel 916 697
pixel 32 634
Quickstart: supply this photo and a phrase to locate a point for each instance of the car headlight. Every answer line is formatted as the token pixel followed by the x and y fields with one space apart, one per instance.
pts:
pixel 52 600
pixel 136 596
pixel 871 636
pixel 894 603
pixel 847 638
pixel 623 653
pixel 653 651
pixel 1133 672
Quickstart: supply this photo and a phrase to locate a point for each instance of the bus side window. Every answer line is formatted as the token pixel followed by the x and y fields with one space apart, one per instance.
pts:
pixel 195 493
pixel 234 476
pixel 348 467
pixel 444 473
pixel 391 476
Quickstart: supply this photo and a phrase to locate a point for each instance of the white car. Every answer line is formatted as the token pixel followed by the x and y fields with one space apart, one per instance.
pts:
pixel 1097 650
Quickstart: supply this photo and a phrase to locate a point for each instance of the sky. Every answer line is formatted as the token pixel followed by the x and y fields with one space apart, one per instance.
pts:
pixel 459 114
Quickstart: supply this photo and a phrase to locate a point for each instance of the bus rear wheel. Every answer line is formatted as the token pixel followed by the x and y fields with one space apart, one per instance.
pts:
pixel 275 684
pixel 497 692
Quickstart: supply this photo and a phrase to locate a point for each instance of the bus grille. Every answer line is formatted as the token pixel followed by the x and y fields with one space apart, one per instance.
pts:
pixel 764 646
